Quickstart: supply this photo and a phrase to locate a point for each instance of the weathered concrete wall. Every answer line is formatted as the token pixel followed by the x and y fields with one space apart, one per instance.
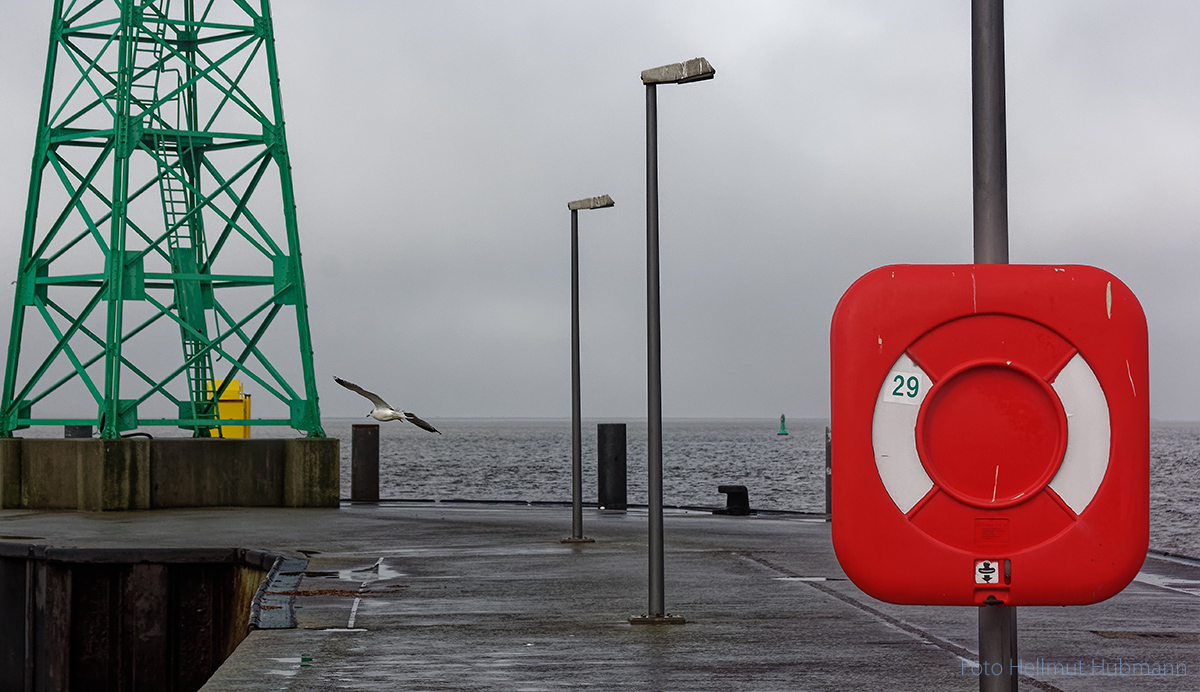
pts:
pixel 237 473
pixel 10 473
pixel 312 473
pixel 92 475
pixel 105 475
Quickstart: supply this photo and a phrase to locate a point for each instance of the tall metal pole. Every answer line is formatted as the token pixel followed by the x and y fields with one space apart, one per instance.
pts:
pixel 654 488
pixel 576 428
pixel 576 441
pixel 988 140
pixel 576 432
pixel 694 70
pixel 997 623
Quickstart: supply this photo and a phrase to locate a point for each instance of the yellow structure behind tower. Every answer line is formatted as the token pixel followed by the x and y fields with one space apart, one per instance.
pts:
pixel 234 404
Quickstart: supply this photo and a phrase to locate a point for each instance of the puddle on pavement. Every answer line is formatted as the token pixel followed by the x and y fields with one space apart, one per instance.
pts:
pixel 295 663
pixel 380 571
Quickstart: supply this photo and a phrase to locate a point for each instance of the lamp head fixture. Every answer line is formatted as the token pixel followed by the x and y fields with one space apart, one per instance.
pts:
pixel 591 203
pixel 694 70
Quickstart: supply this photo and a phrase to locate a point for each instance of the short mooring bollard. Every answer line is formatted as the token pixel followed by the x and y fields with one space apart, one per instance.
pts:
pixel 72 432
pixel 364 463
pixel 610 466
pixel 737 500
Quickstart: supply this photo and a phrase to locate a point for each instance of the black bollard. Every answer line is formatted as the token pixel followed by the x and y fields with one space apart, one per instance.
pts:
pixel 610 438
pixel 77 431
pixel 364 463
pixel 737 501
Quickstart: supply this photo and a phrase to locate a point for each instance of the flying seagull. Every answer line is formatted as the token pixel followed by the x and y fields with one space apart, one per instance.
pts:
pixel 384 412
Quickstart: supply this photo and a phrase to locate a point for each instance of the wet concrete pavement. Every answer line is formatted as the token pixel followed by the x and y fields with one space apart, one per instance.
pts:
pixel 447 596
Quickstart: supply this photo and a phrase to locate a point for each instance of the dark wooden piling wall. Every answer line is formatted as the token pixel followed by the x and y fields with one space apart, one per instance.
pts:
pixel 119 619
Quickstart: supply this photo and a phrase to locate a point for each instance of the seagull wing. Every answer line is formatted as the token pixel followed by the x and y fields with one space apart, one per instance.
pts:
pixel 412 418
pixel 379 403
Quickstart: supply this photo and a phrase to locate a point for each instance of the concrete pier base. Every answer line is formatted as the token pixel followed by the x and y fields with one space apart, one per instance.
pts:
pixel 105 475
pixel 466 596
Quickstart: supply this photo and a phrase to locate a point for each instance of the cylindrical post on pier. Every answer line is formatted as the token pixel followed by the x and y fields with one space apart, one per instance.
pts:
pixel 612 489
pixel 997 648
pixel 989 144
pixel 828 474
pixel 364 463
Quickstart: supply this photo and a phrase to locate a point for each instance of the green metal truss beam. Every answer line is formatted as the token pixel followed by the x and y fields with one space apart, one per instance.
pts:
pixel 158 119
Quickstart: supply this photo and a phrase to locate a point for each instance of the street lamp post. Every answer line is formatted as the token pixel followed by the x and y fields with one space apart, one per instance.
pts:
pixel 694 70
pixel 576 442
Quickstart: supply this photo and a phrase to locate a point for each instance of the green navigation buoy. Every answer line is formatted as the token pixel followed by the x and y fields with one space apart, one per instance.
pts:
pixel 782 426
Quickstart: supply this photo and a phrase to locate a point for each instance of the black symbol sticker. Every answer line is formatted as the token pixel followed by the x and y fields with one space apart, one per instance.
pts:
pixel 985 572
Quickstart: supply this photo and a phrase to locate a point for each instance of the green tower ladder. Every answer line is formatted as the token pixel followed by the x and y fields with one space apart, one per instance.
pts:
pixel 157 119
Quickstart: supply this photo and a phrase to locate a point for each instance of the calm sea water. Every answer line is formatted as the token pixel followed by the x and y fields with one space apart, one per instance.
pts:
pixel 530 460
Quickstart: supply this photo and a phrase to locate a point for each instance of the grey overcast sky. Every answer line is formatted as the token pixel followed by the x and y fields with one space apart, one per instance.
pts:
pixel 435 145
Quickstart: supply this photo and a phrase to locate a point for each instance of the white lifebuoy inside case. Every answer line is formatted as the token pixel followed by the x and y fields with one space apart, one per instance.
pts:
pixel 904 476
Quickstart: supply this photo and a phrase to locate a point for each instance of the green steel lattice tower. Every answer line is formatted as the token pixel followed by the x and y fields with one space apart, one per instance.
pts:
pixel 160 254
